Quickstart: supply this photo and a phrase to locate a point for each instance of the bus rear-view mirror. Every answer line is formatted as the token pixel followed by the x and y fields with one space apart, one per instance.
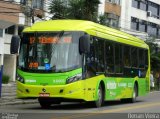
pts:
pixel 84 44
pixel 14 47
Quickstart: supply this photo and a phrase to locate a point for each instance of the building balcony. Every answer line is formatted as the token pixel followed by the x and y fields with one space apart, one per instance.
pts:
pixel 9 13
pixel 113 8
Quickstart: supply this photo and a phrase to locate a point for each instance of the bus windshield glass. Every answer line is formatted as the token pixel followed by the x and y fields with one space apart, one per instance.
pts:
pixel 49 52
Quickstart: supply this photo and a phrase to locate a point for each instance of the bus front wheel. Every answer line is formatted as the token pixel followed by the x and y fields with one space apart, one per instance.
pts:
pixel 44 104
pixel 99 101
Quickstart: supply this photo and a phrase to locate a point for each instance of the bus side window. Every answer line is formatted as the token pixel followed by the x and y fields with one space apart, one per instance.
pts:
pixel 127 60
pixel 146 59
pixel 118 58
pixel 141 58
pixel 100 56
pixel 134 57
pixel 109 57
pixel 91 60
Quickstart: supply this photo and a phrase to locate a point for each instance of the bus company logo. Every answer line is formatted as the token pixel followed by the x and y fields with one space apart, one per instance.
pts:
pixel 44 90
pixel 58 81
pixel 130 85
pixel 122 84
pixel 30 81
pixel 111 85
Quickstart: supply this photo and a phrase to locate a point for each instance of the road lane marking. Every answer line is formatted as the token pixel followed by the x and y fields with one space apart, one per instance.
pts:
pixel 129 108
pixel 107 111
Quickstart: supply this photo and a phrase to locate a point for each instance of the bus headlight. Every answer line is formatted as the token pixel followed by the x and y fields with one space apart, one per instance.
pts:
pixel 74 78
pixel 20 79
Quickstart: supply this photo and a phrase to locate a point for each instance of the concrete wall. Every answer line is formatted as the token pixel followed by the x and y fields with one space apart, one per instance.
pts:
pixel 101 7
pixel 7 42
pixel 10 66
pixel 143 15
pixel 125 19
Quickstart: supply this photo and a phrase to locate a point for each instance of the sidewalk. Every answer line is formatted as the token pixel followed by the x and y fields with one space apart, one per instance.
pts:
pixel 8 96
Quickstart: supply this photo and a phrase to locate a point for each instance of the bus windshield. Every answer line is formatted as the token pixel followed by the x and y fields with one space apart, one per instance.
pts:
pixel 49 52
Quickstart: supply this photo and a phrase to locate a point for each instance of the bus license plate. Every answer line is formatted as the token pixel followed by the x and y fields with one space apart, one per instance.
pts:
pixel 44 94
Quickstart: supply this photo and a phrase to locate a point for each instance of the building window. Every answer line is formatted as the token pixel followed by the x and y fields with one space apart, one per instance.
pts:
pixel 113 20
pixel 10 30
pixel 38 4
pixel 114 1
pixel 135 4
pixel 153 8
pixel 134 23
pixel 139 4
pixel 143 26
pixel 143 6
pixel 152 29
pixel 113 23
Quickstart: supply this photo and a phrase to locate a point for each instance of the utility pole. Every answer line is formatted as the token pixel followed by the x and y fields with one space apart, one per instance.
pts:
pixel 28 12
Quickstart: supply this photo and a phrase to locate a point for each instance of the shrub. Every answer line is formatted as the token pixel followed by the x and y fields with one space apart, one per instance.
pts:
pixel 5 79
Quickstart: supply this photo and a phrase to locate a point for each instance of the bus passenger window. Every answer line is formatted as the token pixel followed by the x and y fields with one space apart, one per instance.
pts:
pixel 146 59
pixel 141 58
pixel 118 58
pixel 100 55
pixel 109 57
pixel 95 59
pixel 134 57
pixel 91 60
pixel 127 60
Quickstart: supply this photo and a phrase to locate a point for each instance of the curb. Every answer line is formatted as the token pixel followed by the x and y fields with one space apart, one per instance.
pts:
pixel 18 102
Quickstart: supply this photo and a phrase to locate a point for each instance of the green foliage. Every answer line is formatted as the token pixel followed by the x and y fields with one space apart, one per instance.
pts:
pixel 74 9
pixel 91 9
pixel 154 55
pixel 58 8
pixel 5 79
pixel 103 20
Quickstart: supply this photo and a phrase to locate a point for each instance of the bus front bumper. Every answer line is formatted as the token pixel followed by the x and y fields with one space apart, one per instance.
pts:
pixel 69 91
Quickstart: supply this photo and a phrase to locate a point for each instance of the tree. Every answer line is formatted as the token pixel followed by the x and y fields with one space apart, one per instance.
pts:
pixel 154 55
pixel 58 8
pixel 91 9
pixel 102 19
pixel 75 9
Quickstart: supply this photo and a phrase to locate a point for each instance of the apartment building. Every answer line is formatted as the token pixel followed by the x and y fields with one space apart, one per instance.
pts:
pixel 141 16
pixel 14 16
pixel 137 17
pixel 112 9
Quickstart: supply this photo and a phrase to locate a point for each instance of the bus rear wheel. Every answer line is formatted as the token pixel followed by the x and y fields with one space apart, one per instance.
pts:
pixel 134 95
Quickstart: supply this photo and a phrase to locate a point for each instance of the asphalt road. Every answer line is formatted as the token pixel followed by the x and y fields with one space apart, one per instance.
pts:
pixel 147 107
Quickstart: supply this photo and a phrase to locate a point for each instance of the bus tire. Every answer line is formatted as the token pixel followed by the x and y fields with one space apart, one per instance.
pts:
pixel 100 100
pixel 134 95
pixel 44 104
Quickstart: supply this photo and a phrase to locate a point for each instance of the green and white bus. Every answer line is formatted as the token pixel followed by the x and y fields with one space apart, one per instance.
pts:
pixel 77 60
